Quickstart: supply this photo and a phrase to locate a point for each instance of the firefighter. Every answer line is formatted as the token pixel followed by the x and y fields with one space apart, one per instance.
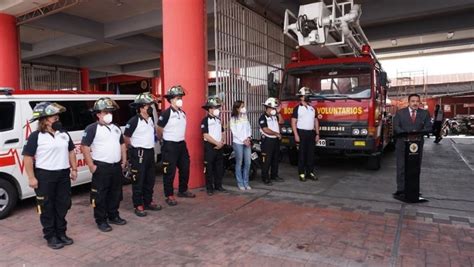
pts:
pixel 270 129
pixel 172 129
pixel 408 120
pixel 51 174
pixel 213 135
pixel 305 125
pixel 140 135
pixel 105 154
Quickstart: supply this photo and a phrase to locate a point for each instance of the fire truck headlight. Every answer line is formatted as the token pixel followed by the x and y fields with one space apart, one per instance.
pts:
pixel 289 130
pixel 283 130
pixel 364 132
pixel 355 131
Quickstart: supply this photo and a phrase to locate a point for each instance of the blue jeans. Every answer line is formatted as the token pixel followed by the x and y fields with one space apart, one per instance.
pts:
pixel 242 154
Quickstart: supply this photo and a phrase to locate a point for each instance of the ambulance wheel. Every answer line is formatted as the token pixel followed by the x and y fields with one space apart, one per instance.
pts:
pixel 293 156
pixel 8 198
pixel 373 162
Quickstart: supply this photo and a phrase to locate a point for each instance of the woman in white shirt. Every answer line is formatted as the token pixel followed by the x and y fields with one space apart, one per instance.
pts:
pixel 241 142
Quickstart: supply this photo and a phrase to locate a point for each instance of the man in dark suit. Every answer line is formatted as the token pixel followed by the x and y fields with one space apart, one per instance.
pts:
pixel 408 120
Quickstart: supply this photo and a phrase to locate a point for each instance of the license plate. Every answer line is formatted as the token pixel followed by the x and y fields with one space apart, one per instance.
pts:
pixel 285 141
pixel 254 156
pixel 321 142
pixel 359 143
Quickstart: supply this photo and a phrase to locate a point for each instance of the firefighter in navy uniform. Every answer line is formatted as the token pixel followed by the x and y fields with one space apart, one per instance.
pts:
pixel 50 163
pixel 172 129
pixel 270 128
pixel 305 125
pixel 140 135
pixel 213 135
pixel 105 154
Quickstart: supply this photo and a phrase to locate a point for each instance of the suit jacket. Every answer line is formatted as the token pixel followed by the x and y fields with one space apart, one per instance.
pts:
pixel 402 123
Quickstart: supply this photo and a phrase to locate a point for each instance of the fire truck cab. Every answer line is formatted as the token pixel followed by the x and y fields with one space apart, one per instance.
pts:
pixel 335 61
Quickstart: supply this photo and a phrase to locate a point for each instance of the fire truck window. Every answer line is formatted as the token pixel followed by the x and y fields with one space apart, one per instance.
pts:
pixel 7 109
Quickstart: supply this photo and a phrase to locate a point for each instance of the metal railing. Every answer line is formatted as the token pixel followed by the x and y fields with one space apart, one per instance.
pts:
pixel 248 48
pixel 43 77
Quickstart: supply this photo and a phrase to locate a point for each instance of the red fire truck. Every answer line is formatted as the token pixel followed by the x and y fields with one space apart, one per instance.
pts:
pixel 335 61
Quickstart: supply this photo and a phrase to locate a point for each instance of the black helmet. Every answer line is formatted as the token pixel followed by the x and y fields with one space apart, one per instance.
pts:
pixel 175 91
pixel 105 104
pixel 143 99
pixel 212 102
pixel 46 109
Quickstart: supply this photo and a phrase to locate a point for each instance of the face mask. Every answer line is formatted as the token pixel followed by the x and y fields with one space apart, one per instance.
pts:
pixel 150 111
pixel 273 112
pixel 179 103
pixel 216 112
pixel 57 125
pixel 108 118
pixel 243 110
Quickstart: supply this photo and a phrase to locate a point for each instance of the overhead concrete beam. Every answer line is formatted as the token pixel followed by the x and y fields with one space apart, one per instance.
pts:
pixel 383 11
pixel 115 69
pixel 141 41
pixel 56 45
pixel 426 25
pixel 116 57
pixel 147 65
pixel 407 48
pixel 133 25
pixel 57 60
pixel 26 46
pixel 71 24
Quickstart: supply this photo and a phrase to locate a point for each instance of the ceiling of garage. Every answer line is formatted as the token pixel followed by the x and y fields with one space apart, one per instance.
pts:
pixel 124 36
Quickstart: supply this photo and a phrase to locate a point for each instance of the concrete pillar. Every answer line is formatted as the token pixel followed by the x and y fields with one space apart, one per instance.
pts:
pixel 185 63
pixel 85 84
pixel 9 53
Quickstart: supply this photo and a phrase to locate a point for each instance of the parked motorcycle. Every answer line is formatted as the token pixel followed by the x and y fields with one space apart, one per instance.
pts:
pixel 229 159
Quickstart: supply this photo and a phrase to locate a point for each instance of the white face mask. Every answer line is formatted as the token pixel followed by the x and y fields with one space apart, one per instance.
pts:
pixel 243 110
pixel 108 118
pixel 179 103
pixel 273 112
pixel 216 112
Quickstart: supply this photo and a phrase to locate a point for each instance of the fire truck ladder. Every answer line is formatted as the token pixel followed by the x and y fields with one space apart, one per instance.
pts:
pixel 328 30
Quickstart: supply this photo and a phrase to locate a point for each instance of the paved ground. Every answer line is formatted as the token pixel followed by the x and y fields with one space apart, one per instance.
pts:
pixel 348 218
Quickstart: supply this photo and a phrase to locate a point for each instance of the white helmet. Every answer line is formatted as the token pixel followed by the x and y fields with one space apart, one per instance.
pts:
pixel 271 102
pixel 304 91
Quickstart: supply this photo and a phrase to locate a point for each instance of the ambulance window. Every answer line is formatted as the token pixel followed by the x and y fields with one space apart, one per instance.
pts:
pixel 7 109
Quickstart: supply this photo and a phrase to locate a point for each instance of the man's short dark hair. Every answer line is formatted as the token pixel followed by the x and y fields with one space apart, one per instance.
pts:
pixel 414 95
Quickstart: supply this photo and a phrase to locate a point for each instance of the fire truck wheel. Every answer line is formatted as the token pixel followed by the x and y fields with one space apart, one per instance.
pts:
pixel 373 162
pixel 8 198
pixel 293 156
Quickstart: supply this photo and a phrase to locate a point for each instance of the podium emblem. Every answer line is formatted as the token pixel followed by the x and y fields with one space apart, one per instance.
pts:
pixel 413 148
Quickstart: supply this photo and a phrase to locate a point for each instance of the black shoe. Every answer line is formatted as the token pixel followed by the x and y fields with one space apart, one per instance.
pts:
pixel 65 240
pixel 55 243
pixel 118 221
pixel 104 227
pixel 210 192
pixel 267 182
pixel 153 206
pixel 171 201
pixel 278 179
pixel 312 176
pixel 186 194
pixel 221 189
pixel 397 193
pixel 140 211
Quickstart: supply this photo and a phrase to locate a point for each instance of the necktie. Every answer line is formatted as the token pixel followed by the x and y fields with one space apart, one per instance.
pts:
pixel 413 115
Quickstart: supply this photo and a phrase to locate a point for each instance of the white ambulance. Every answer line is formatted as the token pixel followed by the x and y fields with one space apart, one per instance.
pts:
pixel 16 109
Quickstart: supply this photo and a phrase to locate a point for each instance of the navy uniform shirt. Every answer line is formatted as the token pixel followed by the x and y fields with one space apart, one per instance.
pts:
pixel 271 122
pixel 212 126
pixel 173 123
pixel 51 151
pixel 141 132
pixel 105 142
